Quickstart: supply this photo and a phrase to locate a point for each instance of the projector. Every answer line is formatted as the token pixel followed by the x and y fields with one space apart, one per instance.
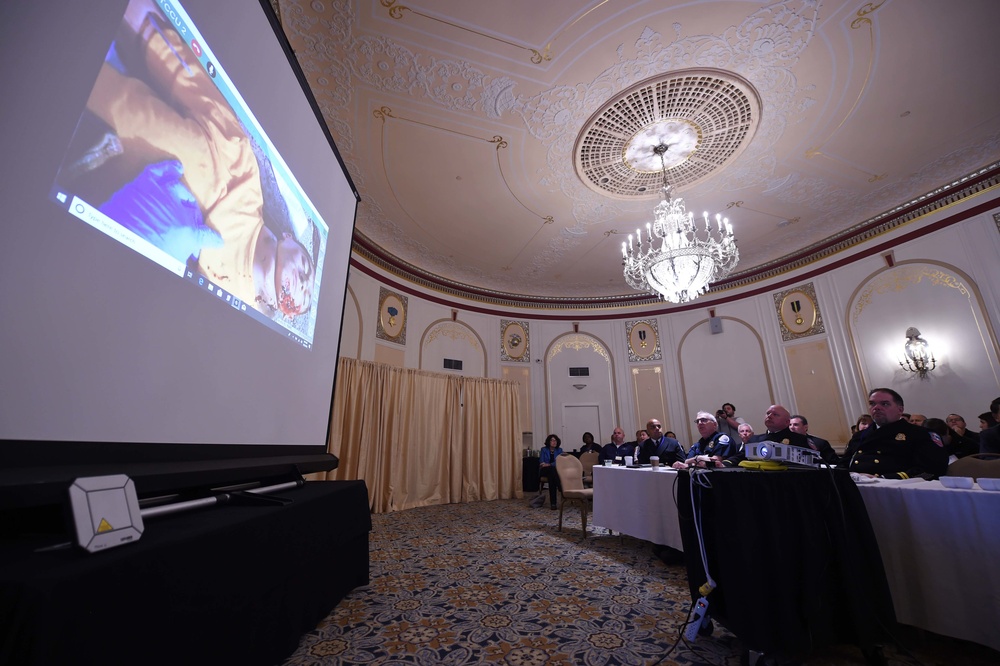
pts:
pixel 777 452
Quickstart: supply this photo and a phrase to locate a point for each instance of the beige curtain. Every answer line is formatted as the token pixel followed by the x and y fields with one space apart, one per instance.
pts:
pixel 418 438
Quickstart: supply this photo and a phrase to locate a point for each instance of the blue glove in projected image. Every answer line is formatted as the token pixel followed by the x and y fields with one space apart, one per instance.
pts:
pixel 161 209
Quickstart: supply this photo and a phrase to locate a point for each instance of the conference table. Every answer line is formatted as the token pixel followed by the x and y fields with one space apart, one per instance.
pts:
pixel 940 547
pixel 638 502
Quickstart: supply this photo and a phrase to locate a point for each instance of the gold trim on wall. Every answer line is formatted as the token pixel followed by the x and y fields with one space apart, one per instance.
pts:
pixel 514 341
pixel 577 342
pixel 903 277
pixel 458 330
pixel 391 316
pixel 643 340
pixel 798 312
pixel 640 418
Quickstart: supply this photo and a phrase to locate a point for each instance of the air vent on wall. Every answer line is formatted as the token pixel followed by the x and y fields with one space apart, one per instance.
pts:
pixel 579 372
pixel 452 364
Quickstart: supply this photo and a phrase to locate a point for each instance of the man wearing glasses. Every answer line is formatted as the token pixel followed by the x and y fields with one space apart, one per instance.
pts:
pixel 712 442
pixel 668 450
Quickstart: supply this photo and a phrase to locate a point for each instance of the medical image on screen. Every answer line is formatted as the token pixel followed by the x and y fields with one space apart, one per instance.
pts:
pixel 168 160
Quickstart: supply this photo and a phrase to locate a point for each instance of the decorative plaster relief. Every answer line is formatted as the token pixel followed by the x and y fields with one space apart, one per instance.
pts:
pixel 578 342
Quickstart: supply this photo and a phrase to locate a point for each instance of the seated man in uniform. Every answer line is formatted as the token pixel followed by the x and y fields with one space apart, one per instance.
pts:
pixel 776 421
pixel 711 443
pixel 894 448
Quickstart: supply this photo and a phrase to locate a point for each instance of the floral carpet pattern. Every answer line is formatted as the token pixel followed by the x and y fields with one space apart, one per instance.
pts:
pixel 496 583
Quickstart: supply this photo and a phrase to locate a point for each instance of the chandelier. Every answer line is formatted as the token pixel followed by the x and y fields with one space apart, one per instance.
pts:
pixel 677 258
pixel 918 356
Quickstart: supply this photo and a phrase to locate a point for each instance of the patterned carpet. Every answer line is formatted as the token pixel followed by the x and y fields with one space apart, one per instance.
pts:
pixel 494 582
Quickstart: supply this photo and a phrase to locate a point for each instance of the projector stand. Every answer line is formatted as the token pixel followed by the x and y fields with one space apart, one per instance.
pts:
pixel 245 498
pixel 252 497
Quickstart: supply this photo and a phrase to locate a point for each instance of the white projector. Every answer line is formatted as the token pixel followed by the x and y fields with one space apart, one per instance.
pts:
pixel 786 453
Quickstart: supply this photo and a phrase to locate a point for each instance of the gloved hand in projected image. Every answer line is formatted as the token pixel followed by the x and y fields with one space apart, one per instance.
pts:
pixel 157 206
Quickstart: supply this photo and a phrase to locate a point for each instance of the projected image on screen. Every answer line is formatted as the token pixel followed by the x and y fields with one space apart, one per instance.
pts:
pixel 168 160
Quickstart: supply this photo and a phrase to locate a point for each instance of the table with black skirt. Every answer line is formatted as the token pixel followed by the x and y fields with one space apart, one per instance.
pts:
pixel 222 585
pixel 793 555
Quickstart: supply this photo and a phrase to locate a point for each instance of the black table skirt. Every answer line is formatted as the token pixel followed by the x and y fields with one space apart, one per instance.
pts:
pixel 794 557
pixel 529 474
pixel 223 585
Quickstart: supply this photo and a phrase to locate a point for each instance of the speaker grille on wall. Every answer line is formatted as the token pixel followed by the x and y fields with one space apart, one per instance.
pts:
pixel 715 325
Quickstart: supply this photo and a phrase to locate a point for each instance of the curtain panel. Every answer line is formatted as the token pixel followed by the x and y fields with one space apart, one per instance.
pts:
pixel 419 438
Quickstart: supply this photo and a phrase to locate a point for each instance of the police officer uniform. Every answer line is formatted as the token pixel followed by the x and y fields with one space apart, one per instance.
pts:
pixel 716 444
pixel 783 436
pixel 898 450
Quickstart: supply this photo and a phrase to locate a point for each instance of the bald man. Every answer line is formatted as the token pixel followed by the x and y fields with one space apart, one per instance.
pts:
pixel 667 449
pixel 776 422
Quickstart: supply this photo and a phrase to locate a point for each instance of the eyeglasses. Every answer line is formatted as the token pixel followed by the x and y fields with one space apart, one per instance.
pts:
pixel 657 426
pixel 702 420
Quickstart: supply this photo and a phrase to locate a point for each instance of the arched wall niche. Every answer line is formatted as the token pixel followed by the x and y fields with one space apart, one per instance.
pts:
pixel 746 383
pixel 946 306
pixel 454 340
pixel 578 404
pixel 352 326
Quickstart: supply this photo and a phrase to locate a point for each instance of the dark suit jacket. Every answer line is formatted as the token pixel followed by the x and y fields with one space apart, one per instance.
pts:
pixel 826 452
pixel 608 452
pixel 667 450
pixel 989 440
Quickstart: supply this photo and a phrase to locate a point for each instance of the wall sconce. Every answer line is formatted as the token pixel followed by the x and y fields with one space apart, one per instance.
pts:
pixel 918 355
pixel 579 386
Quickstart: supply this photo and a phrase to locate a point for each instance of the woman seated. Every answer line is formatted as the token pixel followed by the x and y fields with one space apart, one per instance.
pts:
pixel 547 465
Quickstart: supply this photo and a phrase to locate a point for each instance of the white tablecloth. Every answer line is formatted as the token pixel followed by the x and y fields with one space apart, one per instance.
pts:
pixel 941 550
pixel 638 502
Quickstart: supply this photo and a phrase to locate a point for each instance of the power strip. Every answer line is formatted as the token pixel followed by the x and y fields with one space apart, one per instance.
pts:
pixel 699 613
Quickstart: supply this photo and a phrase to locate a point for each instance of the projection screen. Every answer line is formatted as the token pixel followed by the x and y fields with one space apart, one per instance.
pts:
pixel 178 226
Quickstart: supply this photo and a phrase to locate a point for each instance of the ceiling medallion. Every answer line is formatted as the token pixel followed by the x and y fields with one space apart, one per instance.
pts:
pixel 706 116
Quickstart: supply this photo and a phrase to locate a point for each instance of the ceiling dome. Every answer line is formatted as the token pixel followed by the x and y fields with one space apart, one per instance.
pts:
pixel 705 117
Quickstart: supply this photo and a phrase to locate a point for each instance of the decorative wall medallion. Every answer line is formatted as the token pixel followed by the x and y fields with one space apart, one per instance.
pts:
pixel 798 312
pixel 514 341
pixel 391 316
pixel 643 340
